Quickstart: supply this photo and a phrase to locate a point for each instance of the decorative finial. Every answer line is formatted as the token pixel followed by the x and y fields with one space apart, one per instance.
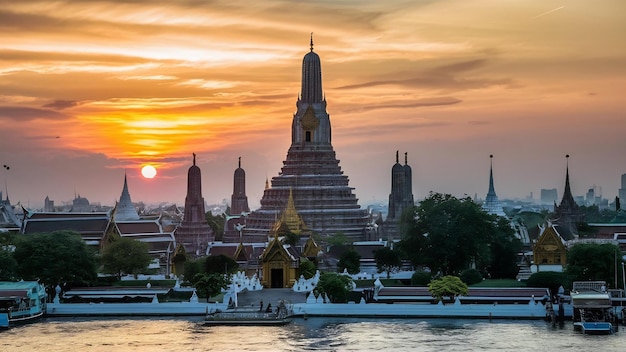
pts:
pixel 491 156
pixel 240 162
pixel 311 41
pixel 194 159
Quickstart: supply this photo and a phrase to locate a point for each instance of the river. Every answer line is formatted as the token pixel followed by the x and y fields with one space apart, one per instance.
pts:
pixel 313 334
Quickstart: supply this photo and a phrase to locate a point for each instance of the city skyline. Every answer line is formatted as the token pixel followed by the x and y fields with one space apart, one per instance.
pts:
pixel 94 90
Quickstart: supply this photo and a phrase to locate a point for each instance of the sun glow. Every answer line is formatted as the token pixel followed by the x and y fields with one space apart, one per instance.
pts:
pixel 148 171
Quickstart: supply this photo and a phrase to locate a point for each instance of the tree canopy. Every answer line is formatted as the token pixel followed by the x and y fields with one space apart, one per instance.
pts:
pixel 447 286
pixel 8 266
pixel 592 261
pixel 216 222
pixel 55 257
pixel 220 264
pixel 387 260
pixel 335 286
pixel 307 268
pixel 125 256
pixel 448 234
pixel 210 285
pixel 349 260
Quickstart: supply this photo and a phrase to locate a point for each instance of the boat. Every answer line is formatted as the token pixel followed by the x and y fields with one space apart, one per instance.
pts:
pixel 250 316
pixel 592 308
pixel 21 302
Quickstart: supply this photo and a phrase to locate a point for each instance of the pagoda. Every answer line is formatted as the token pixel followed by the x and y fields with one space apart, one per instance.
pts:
pixel 320 191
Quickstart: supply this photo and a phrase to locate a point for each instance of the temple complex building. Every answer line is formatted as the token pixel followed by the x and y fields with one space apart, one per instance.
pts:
pixel 124 209
pixel 492 204
pixel 194 233
pixel 400 198
pixel 149 229
pixel 311 172
pixel 567 214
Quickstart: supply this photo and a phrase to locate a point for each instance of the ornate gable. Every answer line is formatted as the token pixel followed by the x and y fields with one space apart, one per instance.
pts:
pixel 311 248
pixel 550 248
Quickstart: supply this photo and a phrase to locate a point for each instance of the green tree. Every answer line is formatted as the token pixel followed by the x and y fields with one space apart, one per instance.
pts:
pixel 504 248
pixel 387 260
pixel 335 286
pixel 291 238
pixel 8 266
pixel 413 237
pixel 349 260
pixel 456 234
pixel 193 267
pixel 217 223
pixel 421 278
pixel 125 256
pixel 591 261
pixel 307 268
pixel 447 286
pixel 210 285
pixel 338 239
pixel 551 280
pixel 220 264
pixel 55 257
pixel 471 276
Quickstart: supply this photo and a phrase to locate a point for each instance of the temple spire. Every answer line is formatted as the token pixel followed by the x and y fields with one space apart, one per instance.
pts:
pixel 194 159
pixel 239 163
pixel 567 194
pixel 311 41
pixel 492 190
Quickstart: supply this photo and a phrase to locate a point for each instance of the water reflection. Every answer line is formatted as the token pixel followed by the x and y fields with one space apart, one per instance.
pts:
pixel 313 334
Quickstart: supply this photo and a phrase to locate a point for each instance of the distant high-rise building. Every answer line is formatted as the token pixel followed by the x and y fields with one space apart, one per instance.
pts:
pixel 80 204
pixel 492 204
pixel 622 191
pixel 48 204
pixel 194 233
pixel 548 196
pixel 590 197
pixel 311 172
pixel 401 196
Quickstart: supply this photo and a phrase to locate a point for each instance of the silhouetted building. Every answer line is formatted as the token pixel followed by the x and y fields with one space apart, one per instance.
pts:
pixel 311 171
pixel 622 191
pixel 400 198
pixel 548 196
pixel 567 214
pixel 236 219
pixel 194 233
pixel 48 204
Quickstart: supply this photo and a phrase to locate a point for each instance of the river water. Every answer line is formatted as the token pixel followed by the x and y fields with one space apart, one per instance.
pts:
pixel 313 334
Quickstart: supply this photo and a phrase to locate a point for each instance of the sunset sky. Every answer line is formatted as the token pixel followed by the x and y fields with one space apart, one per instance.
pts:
pixel 92 89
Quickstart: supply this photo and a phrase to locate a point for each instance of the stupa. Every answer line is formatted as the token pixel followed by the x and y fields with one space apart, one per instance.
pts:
pixel 311 172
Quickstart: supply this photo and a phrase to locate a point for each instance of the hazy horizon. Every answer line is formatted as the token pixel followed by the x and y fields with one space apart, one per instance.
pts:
pixel 93 90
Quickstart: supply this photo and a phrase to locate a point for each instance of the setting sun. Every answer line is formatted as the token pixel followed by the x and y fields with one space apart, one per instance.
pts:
pixel 148 171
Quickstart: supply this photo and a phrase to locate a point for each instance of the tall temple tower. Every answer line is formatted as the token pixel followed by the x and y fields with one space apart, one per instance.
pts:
pixel 492 204
pixel 401 196
pixel 239 200
pixel 125 210
pixel 194 233
pixel 239 209
pixel 321 193
pixel 567 214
